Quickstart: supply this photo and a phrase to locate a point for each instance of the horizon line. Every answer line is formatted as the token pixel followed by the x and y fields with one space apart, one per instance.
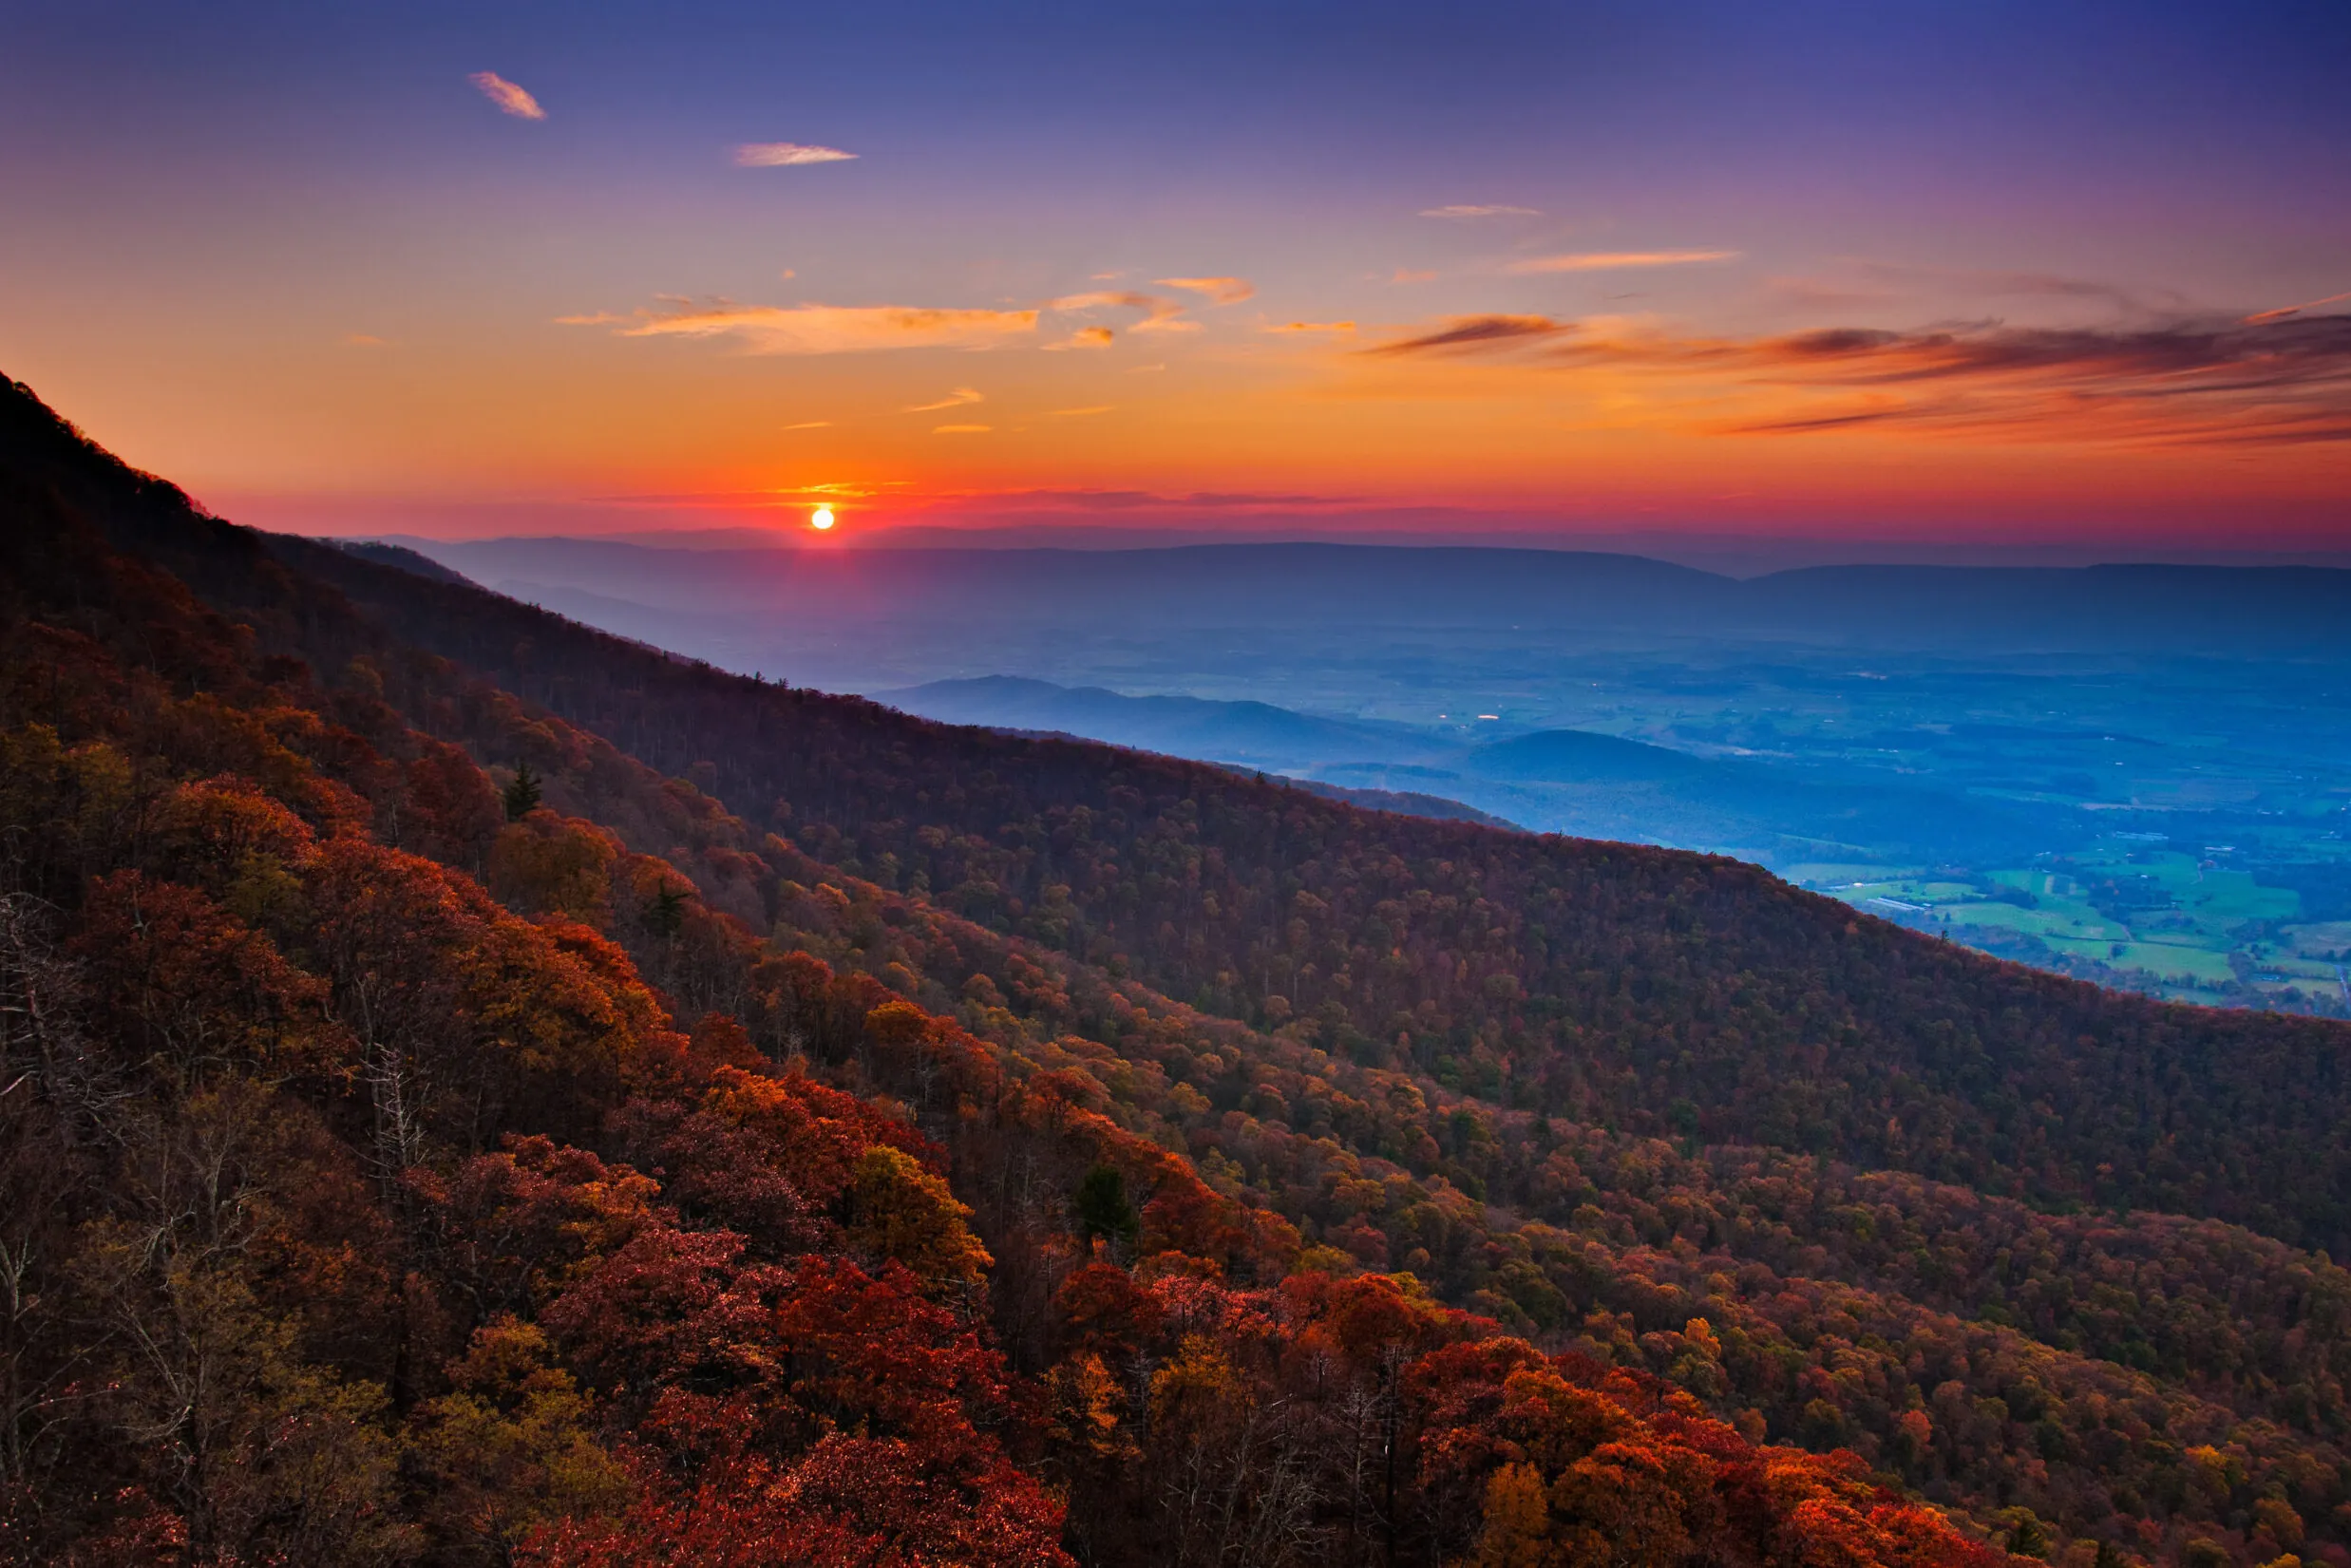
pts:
pixel 1712 551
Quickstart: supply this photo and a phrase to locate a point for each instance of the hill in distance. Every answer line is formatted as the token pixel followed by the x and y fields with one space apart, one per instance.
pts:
pixel 2172 608
pixel 1594 784
pixel 1242 734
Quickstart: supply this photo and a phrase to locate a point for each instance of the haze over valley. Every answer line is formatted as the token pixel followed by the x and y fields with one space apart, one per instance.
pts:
pixel 2137 774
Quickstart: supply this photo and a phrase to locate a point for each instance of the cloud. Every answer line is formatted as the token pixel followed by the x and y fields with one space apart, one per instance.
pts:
pixel 1403 274
pixel 1814 293
pixel 1311 326
pixel 823 328
pixel 1465 210
pixel 364 340
pixel 1098 298
pixel 1085 337
pixel 1606 261
pixel 1160 314
pixel 962 430
pixel 1220 291
pixel 1131 501
pixel 811 424
pixel 1082 413
pixel 786 154
pixel 1474 331
pixel 2186 381
pixel 955 399
pixel 2284 311
pixel 509 98
pixel 1859 281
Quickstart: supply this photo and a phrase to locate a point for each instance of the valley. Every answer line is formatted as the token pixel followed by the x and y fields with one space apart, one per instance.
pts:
pixel 1929 763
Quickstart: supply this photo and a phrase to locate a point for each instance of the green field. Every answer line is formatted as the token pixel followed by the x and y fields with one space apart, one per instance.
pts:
pixel 2179 923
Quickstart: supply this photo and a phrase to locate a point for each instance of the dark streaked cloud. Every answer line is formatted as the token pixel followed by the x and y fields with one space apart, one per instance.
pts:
pixel 2268 379
pixel 1475 332
pixel 1862 281
pixel 2283 311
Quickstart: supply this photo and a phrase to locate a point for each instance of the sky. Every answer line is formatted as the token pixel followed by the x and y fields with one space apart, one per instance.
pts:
pixel 1994 275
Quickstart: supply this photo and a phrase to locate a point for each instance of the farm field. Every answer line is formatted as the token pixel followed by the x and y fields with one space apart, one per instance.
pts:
pixel 2179 923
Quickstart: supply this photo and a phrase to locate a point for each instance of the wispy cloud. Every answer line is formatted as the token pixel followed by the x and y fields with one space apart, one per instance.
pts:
pixel 1160 314
pixel 962 430
pixel 2185 382
pixel 2284 311
pixel 508 97
pixel 1311 326
pixel 1220 291
pixel 786 154
pixel 1098 298
pixel 1468 210
pixel 1606 261
pixel 1473 332
pixel 1859 280
pixel 1083 413
pixel 1085 337
pixel 1828 294
pixel 823 328
pixel 955 399
pixel 1405 275
pixel 1133 502
pixel 364 340
pixel 811 424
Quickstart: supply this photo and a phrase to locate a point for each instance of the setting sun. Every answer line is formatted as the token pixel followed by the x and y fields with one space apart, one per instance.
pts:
pixel 821 519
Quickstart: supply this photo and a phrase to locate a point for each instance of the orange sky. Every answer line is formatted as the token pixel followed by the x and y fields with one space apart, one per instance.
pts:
pixel 622 283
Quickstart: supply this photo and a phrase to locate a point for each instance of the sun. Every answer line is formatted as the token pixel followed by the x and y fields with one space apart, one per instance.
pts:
pixel 821 519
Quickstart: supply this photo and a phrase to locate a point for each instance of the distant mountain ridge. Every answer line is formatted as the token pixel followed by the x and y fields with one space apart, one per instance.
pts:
pixel 1209 585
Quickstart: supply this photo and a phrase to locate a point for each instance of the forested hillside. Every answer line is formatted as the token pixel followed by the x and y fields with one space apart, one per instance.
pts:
pixel 1651 990
pixel 477 1090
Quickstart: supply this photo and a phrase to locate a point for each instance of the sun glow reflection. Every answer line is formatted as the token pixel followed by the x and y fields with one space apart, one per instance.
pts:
pixel 821 519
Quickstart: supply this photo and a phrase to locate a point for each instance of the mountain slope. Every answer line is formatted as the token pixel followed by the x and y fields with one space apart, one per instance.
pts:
pixel 352 1216
pixel 1598 981
pixel 1038 902
pixel 1591 978
pixel 1241 733
pixel 1594 979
